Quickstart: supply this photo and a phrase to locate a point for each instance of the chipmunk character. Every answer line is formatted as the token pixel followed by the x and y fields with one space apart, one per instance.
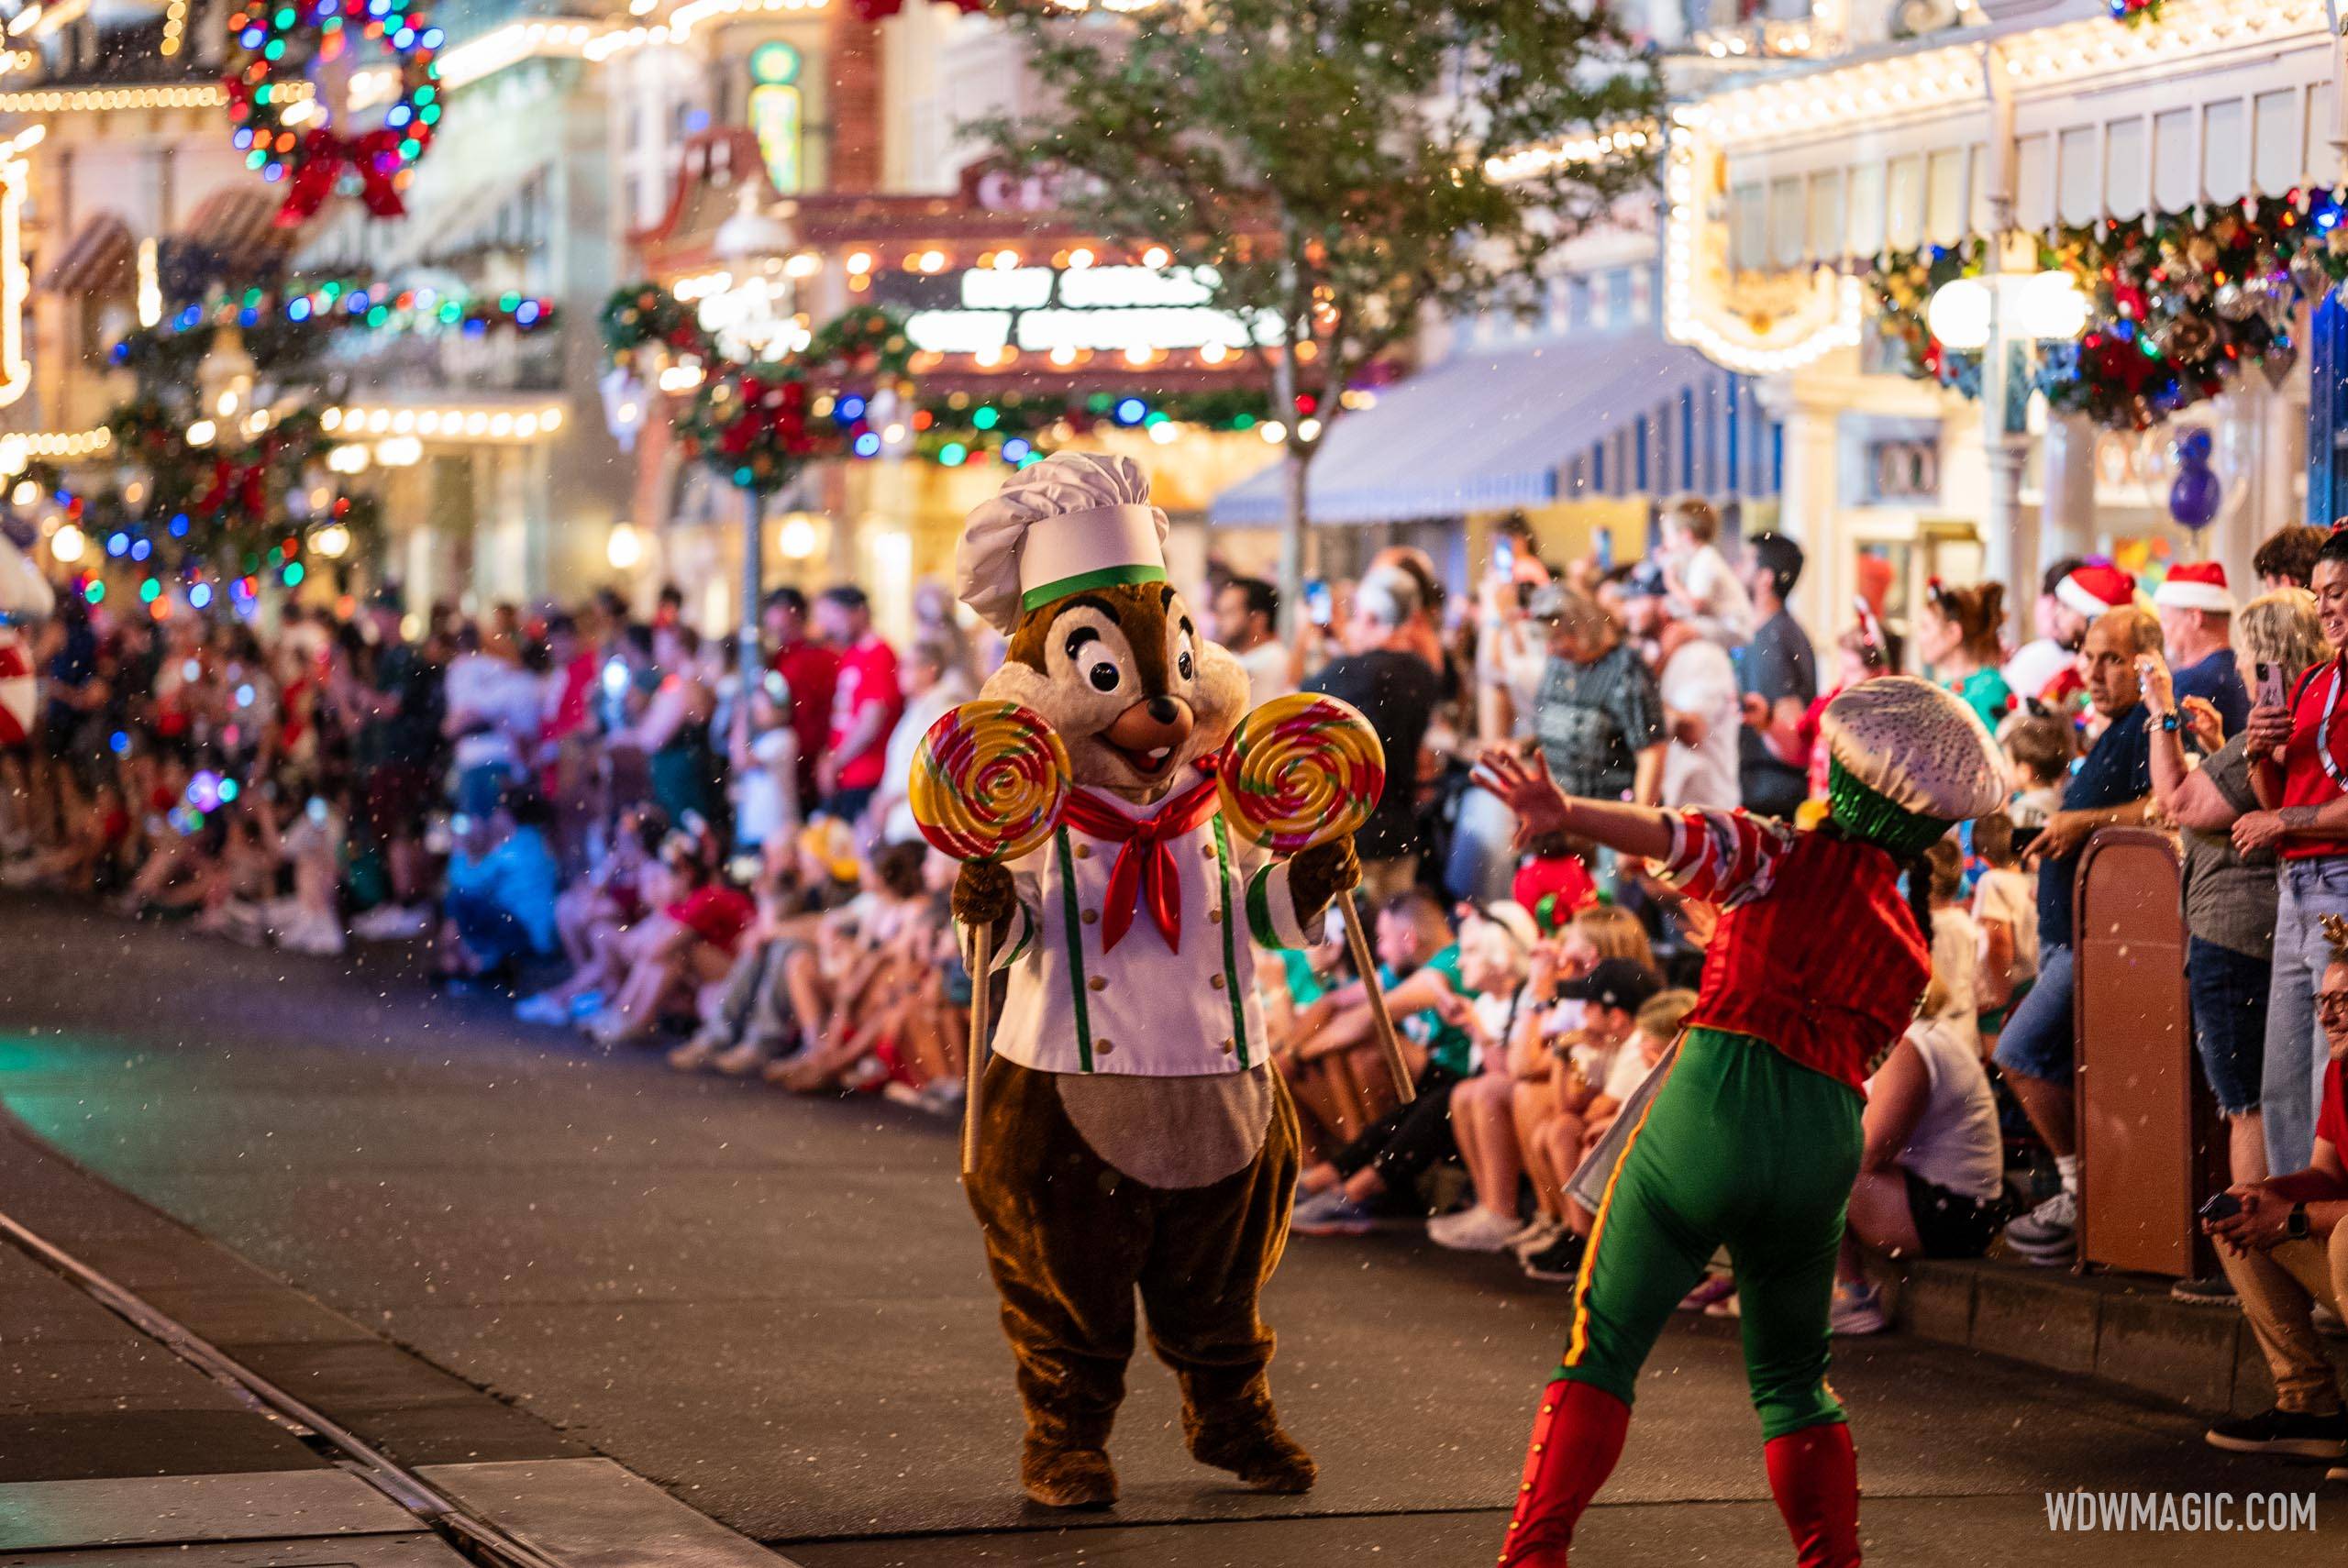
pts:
pixel 1131 1133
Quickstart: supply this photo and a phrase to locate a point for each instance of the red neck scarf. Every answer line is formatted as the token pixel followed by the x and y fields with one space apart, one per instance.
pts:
pixel 1144 866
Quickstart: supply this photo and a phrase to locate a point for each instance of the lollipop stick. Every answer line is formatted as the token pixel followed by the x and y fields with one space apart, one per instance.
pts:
pixel 974 1070
pixel 1390 1047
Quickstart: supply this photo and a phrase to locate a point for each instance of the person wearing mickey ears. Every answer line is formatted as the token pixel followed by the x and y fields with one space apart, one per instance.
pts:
pixel 2284 1242
pixel 1752 1137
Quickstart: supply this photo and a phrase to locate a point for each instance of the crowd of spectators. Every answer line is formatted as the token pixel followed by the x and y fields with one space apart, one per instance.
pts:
pixel 595 814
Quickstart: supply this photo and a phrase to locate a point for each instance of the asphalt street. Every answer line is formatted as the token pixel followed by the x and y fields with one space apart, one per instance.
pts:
pixel 778 1310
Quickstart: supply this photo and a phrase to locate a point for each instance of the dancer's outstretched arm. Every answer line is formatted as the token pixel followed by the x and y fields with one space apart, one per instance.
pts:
pixel 1542 808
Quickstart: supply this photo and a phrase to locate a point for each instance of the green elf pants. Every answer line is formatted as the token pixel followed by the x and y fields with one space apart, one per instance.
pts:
pixel 1742 1147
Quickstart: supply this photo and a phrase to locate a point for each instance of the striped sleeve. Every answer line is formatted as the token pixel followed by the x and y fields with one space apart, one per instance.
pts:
pixel 1725 858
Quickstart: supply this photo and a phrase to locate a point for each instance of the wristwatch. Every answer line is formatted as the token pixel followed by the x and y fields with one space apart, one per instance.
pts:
pixel 2171 722
pixel 2295 1225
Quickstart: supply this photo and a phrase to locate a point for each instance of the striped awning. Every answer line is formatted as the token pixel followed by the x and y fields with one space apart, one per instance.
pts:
pixel 240 222
pixel 100 259
pixel 1565 420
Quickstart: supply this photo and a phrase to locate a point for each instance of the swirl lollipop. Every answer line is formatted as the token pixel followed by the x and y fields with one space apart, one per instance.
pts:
pixel 1300 771
pixel 989 780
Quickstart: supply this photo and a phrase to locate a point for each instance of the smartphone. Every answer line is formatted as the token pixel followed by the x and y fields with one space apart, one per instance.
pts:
pixel 1605 549
pixel 615 677
pixel 2274 690
pixel 777 687
pixel 318 807
pixel 2225 1205
pixel 1504 557
pixel 2025 837
pixel 1317 606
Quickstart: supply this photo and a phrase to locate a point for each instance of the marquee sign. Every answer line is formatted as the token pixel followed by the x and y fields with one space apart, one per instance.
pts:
pixel 984 310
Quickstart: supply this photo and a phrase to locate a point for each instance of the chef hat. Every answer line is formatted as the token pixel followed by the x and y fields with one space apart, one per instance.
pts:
pixel 1906 761
pixel 1076 520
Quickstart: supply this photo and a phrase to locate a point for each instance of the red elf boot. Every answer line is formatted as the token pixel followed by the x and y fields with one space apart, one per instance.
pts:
pixel 1577 1438
pixel 1814 1473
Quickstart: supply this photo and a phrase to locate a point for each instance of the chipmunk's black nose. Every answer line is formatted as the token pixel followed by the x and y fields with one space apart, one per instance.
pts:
pixel 1163 710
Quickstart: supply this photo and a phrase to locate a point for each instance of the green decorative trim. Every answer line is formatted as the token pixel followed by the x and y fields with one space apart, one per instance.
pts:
pixel 1870 815
pixel 1075 951
pixel 1259 911
pixel 1230 942
pixel 1107 577
pixel 1026 937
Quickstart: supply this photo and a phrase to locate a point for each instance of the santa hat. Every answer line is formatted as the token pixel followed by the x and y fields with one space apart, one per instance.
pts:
pixel 2195 585
pixel 2095 588
pixel 1072 522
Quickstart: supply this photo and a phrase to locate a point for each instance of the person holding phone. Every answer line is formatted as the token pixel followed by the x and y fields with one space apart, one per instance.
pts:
pixel 2230 895
pixel 2196 614
pixel 2284 1242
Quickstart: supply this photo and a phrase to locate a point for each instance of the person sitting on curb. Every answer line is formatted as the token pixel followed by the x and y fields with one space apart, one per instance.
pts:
pixel 2286 1249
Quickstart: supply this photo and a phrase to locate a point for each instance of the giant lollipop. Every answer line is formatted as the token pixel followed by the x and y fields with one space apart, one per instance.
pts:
pixel 988 783
pixel 1301 770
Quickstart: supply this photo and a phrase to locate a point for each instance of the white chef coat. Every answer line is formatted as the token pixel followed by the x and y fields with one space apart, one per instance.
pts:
pixel 1143 1008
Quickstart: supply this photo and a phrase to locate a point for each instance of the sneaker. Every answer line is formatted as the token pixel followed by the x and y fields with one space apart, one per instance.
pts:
pixel 308 932
pixel 1537 1237
pixel 238 921
pixel 392 922
pixel 1476 1229
pixel 23 874
pixel 695 1054
pixel 1710 1290
pixel 2292 1432
pixel 585 1006
pixel 942 1097
pixel 1312 1203
pixel 545 1010
pixel 1728 1306
pixel 2215 1290
pixel 1560 1261
pixel 1858 1310
pixel 2048 1233
pixel 1343 1218
pixel 741 1060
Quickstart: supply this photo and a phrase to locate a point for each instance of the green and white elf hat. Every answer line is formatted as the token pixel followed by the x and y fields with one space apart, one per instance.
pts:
pixel 1077 520
pixel 1906 761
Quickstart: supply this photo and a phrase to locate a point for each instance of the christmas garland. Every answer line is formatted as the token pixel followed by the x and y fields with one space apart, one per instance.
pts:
pixel 1016 427
pixel 273 49
pixel 868 345
pixel 1904 286
pixel 751 424
pixel 645 315
pixel 2180 305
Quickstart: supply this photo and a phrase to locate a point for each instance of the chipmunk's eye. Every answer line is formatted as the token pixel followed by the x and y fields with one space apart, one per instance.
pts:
pixel 1103 676
pixel 1183 665
pixel 1093 660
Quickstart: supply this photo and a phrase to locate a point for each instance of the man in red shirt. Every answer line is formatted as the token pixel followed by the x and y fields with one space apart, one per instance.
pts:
pixel 866 703
pixel 2300 754
pixel 810 672
pixel 2286 1249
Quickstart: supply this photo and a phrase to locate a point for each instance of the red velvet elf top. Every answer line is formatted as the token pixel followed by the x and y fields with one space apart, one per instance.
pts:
pixel 1816 954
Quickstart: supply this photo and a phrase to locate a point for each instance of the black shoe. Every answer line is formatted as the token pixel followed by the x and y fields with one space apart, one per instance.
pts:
pixel 2285 1431
pixel 1560 1260
pixel 2216 1290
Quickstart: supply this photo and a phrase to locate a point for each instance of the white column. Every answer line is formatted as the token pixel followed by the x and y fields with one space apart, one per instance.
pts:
pixel 2067 516
pixel 1810 509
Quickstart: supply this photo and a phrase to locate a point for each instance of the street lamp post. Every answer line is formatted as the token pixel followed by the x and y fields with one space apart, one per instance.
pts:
pixel 752 237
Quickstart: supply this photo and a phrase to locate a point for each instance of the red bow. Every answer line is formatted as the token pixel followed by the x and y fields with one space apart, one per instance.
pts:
pixel 1144 866
pixel 325 156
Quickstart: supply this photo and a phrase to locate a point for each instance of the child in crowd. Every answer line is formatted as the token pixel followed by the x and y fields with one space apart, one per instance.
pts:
pixel 2005 908
pixel 499 911
pixel 1956 944
pixel 1703 588
pixel 590 913
pixel 1612 996
pixel 765 787
pixel 2042 749
pixel 1337 1197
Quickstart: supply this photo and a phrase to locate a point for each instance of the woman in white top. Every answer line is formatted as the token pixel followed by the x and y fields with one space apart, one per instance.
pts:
pixel 1933 1177
pixel 932 684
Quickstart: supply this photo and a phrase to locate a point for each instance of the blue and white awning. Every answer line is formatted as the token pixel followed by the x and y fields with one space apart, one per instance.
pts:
pixel 1565 421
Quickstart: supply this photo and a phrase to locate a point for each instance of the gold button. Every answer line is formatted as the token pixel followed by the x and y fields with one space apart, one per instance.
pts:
pixel 1084 852
pixel 1215 915
pixel 1207 850
pixel 1098 983
pixel 1216 981
pixel 1230 1046
pixel 1091 917
pixel 1102 1047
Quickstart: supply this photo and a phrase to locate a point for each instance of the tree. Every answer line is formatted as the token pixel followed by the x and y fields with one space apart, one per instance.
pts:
pixel 1330 168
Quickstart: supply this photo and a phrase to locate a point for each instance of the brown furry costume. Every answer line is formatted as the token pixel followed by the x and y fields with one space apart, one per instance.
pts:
pixel 1170 1175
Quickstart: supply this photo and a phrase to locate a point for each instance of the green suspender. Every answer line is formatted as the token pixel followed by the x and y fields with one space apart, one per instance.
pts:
pixel 1075 924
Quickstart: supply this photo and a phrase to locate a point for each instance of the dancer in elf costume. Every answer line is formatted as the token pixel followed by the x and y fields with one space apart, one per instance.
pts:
pixel 1752 1139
